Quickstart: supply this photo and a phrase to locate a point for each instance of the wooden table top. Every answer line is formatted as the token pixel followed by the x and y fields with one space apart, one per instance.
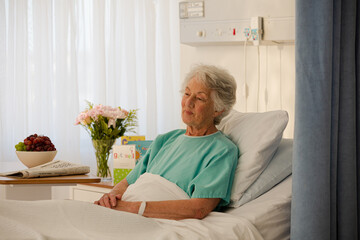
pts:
pixel 109 185
pixel 71 179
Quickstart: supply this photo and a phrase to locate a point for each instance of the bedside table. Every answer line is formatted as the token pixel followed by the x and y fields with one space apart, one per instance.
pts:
pixel 90 192
pixel 13 188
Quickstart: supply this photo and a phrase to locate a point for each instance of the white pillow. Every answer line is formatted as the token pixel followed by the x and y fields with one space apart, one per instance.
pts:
pixel 258 136
pixel 279 168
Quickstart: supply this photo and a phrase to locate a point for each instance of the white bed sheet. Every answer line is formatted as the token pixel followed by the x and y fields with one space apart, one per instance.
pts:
pixel 65 219
pixel 267 217
pixel 269 213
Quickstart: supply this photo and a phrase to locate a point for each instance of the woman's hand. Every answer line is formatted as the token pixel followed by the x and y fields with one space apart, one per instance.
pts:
pixel 109 200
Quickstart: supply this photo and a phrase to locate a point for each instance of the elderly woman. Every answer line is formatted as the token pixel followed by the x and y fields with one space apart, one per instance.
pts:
pixel 201 160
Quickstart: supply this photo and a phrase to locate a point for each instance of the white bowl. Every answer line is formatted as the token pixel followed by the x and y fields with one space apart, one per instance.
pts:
pixel 33 159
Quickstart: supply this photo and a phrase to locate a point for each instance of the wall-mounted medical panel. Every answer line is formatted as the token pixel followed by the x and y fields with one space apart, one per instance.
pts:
pixel 213 22
pixel 195 33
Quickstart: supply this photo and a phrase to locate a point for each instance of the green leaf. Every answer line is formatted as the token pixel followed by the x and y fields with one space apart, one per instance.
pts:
pixel 104 126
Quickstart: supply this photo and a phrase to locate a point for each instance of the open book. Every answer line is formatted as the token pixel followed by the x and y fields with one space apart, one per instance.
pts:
pixel 50 169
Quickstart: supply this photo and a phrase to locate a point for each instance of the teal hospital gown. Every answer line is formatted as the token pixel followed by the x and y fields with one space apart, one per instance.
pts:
pixel 204 167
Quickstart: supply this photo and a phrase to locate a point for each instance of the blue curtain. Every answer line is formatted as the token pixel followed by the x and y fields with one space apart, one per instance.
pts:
pixel 326 165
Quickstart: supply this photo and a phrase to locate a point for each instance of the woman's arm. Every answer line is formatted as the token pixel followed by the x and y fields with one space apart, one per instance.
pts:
pixel 173 209
pixel 109 200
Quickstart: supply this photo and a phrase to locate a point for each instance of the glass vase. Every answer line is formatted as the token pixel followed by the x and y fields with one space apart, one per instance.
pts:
pixel 102 153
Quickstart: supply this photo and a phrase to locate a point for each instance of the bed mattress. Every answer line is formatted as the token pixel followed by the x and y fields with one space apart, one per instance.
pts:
pixel 269 213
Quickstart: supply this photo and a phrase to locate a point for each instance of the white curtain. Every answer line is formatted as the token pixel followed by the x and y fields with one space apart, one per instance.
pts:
pixel 55 55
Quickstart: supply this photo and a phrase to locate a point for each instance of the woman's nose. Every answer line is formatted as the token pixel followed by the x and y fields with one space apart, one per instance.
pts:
pixel 190 101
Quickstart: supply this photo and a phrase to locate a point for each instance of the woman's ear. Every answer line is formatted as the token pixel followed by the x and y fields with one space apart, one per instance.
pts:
pixel 218 113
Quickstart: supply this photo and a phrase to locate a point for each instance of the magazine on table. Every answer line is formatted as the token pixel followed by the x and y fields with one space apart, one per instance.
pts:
pixel 50 169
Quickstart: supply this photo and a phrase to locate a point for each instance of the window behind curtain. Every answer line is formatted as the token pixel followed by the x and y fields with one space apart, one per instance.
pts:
pixel 56 54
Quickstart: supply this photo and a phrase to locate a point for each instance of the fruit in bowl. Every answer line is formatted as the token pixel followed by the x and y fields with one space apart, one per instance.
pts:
pixel 35 150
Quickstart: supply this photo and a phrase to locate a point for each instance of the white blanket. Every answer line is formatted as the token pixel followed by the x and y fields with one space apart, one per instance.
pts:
pixel 66 219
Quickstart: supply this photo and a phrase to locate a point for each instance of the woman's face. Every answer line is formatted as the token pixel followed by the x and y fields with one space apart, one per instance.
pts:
pixel 197 105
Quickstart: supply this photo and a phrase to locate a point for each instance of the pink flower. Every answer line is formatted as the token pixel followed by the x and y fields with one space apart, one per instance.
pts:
pixel 96 111
pixel 125 112
pixel 112 122
pixel 83 118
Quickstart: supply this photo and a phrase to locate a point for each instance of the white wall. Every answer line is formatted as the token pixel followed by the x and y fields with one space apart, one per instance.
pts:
pixel 270 69
pixel 275 78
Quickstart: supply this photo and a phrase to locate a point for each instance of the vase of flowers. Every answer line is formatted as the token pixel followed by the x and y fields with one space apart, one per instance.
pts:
pixel 105 124
pixel 102 153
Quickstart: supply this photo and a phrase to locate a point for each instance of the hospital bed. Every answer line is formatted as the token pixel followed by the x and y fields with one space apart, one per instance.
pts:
pixel 261 212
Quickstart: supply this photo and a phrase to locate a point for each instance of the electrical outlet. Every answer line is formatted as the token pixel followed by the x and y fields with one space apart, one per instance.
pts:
pixel 256 30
